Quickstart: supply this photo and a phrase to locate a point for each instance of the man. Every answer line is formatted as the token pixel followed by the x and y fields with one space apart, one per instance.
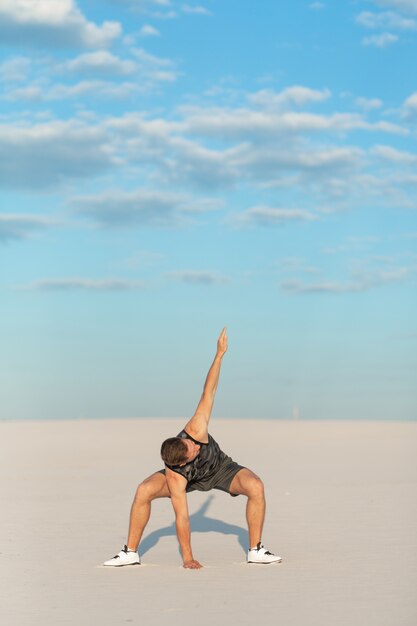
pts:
pixel 194 461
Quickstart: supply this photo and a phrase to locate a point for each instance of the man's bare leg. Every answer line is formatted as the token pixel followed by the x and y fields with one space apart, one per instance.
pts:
pixel 247 483
pixel 155 486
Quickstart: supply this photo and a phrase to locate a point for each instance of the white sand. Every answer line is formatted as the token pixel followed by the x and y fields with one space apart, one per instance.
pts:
pixel 341 511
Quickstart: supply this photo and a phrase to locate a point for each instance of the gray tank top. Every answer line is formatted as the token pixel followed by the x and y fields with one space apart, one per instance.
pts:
pixel 206 462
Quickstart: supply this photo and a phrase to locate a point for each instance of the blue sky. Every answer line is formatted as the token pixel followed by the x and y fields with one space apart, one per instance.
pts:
pixel 168 168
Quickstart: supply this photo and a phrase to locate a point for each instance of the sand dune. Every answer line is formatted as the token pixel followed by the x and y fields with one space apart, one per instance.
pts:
pixel 341 511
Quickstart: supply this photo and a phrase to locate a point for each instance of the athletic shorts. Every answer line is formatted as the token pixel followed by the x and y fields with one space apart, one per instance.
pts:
pixel 220 480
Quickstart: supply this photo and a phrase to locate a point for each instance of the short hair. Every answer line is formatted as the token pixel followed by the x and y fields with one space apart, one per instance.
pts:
pixel 174 451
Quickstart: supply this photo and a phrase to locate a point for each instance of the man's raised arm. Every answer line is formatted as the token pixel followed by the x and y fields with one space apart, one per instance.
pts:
pixel 199 422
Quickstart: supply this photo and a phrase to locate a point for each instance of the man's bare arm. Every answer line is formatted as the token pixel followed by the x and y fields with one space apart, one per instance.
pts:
pixel 176 485
pixel 198 424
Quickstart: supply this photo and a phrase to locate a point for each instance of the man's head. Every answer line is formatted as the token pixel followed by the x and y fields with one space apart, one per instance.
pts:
pixel 177 451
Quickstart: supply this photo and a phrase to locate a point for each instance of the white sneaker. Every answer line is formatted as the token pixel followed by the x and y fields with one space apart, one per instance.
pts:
pixel 125 557
pixel 260 555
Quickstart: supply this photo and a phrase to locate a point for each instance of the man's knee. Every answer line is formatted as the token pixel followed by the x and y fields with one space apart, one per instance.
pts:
pixel 256 488
pixel 152 487
pixel 144 491
pixel 250 485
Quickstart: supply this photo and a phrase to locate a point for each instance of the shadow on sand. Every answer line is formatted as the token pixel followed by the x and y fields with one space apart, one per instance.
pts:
pixel 199 523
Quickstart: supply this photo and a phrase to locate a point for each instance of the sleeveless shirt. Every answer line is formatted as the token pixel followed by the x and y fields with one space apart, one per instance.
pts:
pixel 206 463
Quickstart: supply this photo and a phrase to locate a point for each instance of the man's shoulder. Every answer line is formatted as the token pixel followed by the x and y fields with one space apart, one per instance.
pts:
pixel 177 483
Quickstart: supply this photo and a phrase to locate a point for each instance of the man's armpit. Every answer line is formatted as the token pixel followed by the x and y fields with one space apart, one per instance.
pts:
pixel 197 427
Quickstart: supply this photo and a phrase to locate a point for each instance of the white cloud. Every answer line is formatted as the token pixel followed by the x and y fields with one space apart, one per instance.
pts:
pixel 15 69
pixel 360 283
pixel 274 159
pixel 410 106
pixel 302 287
pixel 143 5
pixel 269 216
pixel 404 6
pixel 124 209
pixel 368 104
pixel 164 15
pixel 401 157
pixel 245 123
pixel 195 9
pixel 297 264
pixel 151 59
pixel 45 154
pixel 156 68
pixel 57 23
pixel 385 20
pixel 31 93
pixel 145 74
pixel 159 9
pixel 294 95
pixel 185 161
pixel 380 41
pixel 99 62
pixel 14 226
pixel 201 166
pixel 316 6
pixel 271 160
pixel 293 169
pixel 177 159
pixel 407 180
pixel 38 11
pixel 362 240
pixel 293 151
pixel 59 91
pixel 83 284
pixel 149 31
pixel 196 277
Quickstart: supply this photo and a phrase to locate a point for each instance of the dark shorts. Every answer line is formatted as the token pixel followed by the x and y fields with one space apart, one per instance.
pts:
pixel 220 480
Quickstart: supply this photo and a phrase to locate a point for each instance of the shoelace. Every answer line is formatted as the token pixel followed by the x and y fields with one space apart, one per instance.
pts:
pixel 125 550
pixel 259 547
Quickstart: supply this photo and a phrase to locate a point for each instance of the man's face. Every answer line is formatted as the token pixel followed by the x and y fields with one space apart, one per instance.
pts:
pixel 193 450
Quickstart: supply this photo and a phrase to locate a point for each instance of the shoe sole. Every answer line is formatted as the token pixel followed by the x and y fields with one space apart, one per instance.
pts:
pixel 263 562
pixel 122 565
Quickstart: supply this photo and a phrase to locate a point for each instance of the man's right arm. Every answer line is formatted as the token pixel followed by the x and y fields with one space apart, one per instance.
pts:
pixel 176 485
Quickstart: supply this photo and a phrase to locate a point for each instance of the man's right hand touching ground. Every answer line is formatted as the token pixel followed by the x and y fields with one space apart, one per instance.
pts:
pixel 192 564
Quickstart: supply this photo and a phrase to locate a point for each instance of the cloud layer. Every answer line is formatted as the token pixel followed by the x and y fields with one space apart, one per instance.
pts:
pixel 117 208
pixel 22 226
pixel 46 154
pixel 83 284
pixel 55 23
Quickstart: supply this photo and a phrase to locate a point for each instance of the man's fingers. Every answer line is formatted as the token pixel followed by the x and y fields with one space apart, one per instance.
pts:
pixel 192 565
pixel 222 341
